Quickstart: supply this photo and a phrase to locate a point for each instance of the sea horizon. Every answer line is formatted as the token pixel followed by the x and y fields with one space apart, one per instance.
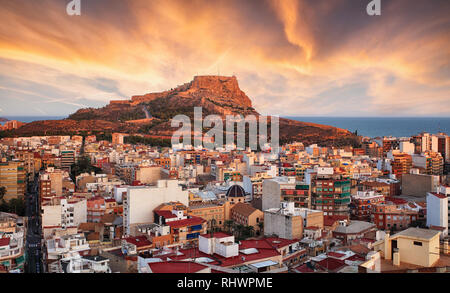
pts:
pixel 365 126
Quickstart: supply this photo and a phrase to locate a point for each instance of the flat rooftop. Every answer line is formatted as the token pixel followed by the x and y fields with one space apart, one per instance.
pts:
pixel 418 233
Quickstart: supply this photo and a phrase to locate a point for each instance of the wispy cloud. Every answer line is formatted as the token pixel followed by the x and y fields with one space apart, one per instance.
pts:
pixel 292 57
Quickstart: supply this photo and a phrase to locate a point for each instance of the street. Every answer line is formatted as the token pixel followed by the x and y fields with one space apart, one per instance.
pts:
pixel 34 253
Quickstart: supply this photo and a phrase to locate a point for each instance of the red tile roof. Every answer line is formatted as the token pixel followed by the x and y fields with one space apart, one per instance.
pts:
pixel 139 241
pixel 180 267
pixel 355 257
pixel 330 220
pixel 217 235
pixel 439 195
pixel 276 242
pixel 336 254
pixel 395 200
pixel 332 264
pixel 165 214
pixel 258 244
pixel 187 222
pixel 304 269
pixel 4 241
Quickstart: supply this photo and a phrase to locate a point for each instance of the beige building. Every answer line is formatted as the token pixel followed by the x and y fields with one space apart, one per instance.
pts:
pixel 413 246
pixel 245 214
pixel 56 179
pixel 148 174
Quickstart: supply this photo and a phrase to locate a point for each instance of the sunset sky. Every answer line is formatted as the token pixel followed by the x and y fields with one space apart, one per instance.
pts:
pixel 291 57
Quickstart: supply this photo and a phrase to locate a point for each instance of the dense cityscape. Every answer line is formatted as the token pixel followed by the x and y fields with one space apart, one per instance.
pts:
pixel 211 144
pixel 81 205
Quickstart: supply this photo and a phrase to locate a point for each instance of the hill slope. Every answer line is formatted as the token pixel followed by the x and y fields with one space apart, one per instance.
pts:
pixel 150 114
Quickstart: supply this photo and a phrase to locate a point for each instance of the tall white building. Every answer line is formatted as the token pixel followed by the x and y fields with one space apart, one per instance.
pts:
pixel 437 210
pixel 140 201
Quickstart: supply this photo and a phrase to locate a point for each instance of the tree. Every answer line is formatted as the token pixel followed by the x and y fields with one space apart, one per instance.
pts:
pixel 83 166
pixel 239 229
pixel 2 192
pixel 249 231
pixel 228 225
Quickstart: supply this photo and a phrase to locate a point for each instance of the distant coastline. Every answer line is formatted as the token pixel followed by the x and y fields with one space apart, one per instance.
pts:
pixel 384 126
pixel 28 119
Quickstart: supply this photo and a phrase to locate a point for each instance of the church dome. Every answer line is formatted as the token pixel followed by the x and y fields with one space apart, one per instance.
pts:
pixel 235 191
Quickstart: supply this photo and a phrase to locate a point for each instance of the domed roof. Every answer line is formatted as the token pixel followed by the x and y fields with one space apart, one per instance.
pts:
pixel 236 191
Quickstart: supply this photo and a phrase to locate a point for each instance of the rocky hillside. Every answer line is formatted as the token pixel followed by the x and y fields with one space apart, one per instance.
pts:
pixel 150 114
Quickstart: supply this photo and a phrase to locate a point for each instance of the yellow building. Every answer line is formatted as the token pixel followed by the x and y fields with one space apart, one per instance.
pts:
pixel 13 178
pixel 220 212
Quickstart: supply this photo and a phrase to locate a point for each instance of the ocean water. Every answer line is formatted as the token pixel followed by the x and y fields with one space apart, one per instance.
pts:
pixel 28 119
pixel 384 126
pixel 366 126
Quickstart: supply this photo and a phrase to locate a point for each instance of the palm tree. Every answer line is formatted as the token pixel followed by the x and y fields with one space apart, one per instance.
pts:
pixel 228 225
pixel 250 230
pixel 240 229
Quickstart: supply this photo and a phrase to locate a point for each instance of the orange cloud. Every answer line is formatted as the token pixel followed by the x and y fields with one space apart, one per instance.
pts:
pixel 311 56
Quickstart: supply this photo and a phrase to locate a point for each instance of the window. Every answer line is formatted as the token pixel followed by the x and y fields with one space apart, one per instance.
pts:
pixel 417 243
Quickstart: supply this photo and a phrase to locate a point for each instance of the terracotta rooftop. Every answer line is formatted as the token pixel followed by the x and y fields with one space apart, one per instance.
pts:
pixel 304 269
pixel 332 264
pixel 165 214
pixel 439 195
pixel 187 222
pixel 4 241
pixel 217 235
pixel 139 241
pixel 243 209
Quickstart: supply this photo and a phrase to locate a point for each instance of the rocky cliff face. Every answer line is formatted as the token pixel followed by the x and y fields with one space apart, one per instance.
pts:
pixel 220 90
pixel 218 95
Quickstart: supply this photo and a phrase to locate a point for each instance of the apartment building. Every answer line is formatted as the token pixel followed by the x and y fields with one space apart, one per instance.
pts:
pixel 362 204
pixel 284 222
pixel 331 194
pixel 388 216
pixel 140 201
pixel 13 178
pixel 12 243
